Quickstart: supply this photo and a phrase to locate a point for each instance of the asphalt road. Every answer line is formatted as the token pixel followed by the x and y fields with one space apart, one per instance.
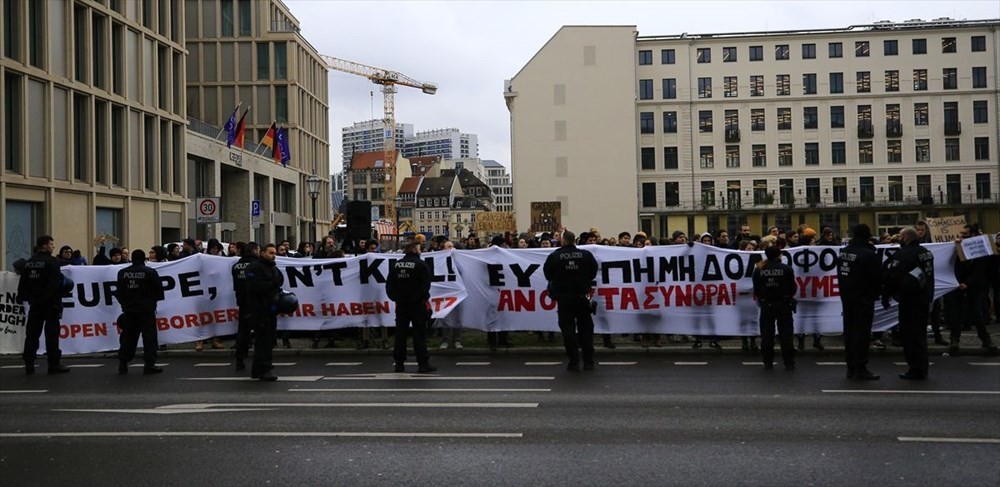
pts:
pixel 639 419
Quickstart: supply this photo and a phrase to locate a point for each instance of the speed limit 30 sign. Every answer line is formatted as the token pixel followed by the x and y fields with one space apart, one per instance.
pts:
pixel 207 210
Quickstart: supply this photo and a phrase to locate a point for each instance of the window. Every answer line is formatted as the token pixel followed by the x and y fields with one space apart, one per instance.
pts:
pixel 838 153
pixel 648 195
pixel 982 148
pixel 14 101
pixel 730 86
pixel 951 150
pixel 979 77
pixel 729 54
pixel 836 82
pixel 669 158
pixel 784 154
pixel 783 85
pixel 245 21
pixel 786 191
pixel 919 80
pixel 646 125
pixel 759 191
pixel 812 190
pixel 978 43
pixel 948 45
pixel 864 84
pixel 263 61
pixel 781 52
pixel 836 49
pixel 784 119
pixel 866 186
pixel 919 46
pixel 809 83
pixel 808 51
pixel 983 186
pixel 756 53
pixel 704 87
pixel 704 55
pixel 924 187
pixel 837 117
pixel 757 119
pixel 894 151
pixel 953 183
pixel 840 190
pixel 922 150
pixel 812 154
pixel 280 61
pixel 861 49
pixel 645 89
pixel 921 114
pixel 707 157
pixel 732 156
pixel 670 122
pixel 865 114
pixel 893 120
pixel 672 194
pixel 895 188
pixel 950 78
pixel 892 80
pixel 732 122
pixel 669 88
pixel 759 155
pixel 866 152
pixel 667 56
pixel 648 159
pixel 810 117
pixel 708 193
pixel 980 113
pixel 645 57
pixel 704 121
pixel 227 19
pixel 890 48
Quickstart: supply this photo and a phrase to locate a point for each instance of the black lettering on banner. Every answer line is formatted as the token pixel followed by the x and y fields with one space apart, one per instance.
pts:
pixel 711 271
pixel 828 259
pixel 680 268
pixel 435 277
pixel 495 273
pixel 296 275
pixel 168 283
pixel 734 266
pixel 91 294
pixel 752 263
pixel 626 271
pixel 805 259
pixel 524 275
pixel 189 283
pixel 370 270
pixel 333 267
pixel 638 270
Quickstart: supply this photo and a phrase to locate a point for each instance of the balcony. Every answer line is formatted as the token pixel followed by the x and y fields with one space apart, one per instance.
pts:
pixel 800 202
pixel 865 129
pixel 893 128
pixel 732 134
pixel 952 128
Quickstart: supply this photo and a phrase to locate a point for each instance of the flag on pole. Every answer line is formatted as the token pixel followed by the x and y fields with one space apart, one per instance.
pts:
pixel 268 140
pixel 240 130
pixel 281 152
pixel 230 127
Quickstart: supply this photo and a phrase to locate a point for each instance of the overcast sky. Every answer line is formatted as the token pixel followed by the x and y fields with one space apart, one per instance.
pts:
pixel 470 47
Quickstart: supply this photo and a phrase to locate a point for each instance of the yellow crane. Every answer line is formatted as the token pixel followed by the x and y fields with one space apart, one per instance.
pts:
pixel 388 79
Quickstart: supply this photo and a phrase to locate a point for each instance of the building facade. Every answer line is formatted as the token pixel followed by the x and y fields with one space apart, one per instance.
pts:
pixel 369 136
pixel 498 180
pixel 448 143
pixel 882 124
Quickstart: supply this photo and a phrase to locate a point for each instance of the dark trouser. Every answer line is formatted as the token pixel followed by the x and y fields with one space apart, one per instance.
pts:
pixel 495 338
pixel 577 328
pixel 858 317
pixel 264 328
pixel 913 332
pixel 780 312
pixel 243 327
pixel 407 313
pixel 40 318
pixel 966 308
pixel 133 325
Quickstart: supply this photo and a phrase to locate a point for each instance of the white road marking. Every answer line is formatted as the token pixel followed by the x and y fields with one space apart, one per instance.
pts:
pixel 11 366
pixel 542 363
pixel 25 391
pixel 753 363
pixel 300 378
pixel 141 365
pixel 616 363
pixel 690 363
pixel 472 363
pixel 987 364
pixel 85 366
pixel 904 363
pixel 213 364
pixel 284 364
pixel 889 391
pixel 344 364
pixel 209 406
pixel 831 363
pixel 303 434
pixel 419 390
pixel 428 377
pixel 923 439
pixel 161 410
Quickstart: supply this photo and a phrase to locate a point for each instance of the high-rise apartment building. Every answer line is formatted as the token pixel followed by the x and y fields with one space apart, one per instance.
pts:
pixel 498 180
pixel 369 136
pixel 882 124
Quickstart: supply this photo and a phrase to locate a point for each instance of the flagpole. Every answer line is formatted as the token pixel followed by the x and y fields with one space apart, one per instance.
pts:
pixel 223 125
pixel 261 141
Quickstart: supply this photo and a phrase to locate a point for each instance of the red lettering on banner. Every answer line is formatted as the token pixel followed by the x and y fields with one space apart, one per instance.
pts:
pixel 818 286
pixel 357 309
pixel 629 299
pixel 304 309
pixel 85 330
pixel 657 297
pixel 609 294
pixel 346 309
pixel 342 310
pixel 436 303
pixel 369 308
pixel 192 320
pixel 548 304
pixel 233 314
pixel 683 294
pixel 649 303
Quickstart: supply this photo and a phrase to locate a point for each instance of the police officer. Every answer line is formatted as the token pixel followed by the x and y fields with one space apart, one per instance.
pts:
pixel 909 278
pixel 775 288
pixel 263 285
pixel 409 286
pixel 41 287
pixel 139 288
pixel 859 272
pixel 570 272
pixel 248 255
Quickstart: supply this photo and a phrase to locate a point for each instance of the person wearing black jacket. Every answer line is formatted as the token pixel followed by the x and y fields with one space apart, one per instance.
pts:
pixel 139 289
pixel 409 286
pixel 775 288
pixel 967 305
pixel 909 278
pixel 40 286
pixel 263 285
pixel 859 273
pixel 570 272
pixel 248 255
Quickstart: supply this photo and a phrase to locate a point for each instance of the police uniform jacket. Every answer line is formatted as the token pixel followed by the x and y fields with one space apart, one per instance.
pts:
pixel 859 272
pixel 263 285
pixel 40 282
pixel 409 280
pixel 570 272
pixel 240 278
pixel 774 283
pixel 139 288
pixel 909 274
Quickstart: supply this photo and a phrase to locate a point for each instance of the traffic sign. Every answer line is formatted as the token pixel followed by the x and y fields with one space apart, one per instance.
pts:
pixel 255 211
pixel 207 210
pixel 375 213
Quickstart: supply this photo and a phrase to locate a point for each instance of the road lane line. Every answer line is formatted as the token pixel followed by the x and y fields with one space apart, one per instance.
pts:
pixel 488 405
pixel 302 434
pixel 344 364
pixel 213 364
pixel 284 364
pixel 831 363
pixel 25 391
pixel 11 366
pixel 141 365
pixel 890 391
pixel 904 363
pixel 300 378
pixel 429 377
pixel 542 363
pixel 987 364
pixel 617 363
pixel 419 390
pixel 923 439
pixel 472 363
pixel 85 366
pixel 753 363
pixel 690 363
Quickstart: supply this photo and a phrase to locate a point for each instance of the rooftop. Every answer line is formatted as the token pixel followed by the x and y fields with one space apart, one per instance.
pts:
pixel 882 25
pixel 361 161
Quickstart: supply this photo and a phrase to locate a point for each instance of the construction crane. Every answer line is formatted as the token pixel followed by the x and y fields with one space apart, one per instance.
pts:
pixel 388 79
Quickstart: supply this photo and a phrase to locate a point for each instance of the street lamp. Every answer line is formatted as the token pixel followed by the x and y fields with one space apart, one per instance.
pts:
pixel 313 183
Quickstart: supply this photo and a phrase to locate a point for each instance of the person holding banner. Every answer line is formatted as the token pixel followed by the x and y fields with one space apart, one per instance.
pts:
pixel 41 285
pixel 968 305
pixel 909 279
pixel 859 272
pixel 263 285
pixel 775 289
pixel 139 288
pixel 570 272
pixel 409 286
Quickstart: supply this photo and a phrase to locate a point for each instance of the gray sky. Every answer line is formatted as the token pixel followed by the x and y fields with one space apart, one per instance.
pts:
pixel 470 47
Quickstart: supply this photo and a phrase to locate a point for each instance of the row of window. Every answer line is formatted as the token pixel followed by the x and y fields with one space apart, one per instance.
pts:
pixel 782 52
pixel 893 191
pixel 810 118
pixel 783 83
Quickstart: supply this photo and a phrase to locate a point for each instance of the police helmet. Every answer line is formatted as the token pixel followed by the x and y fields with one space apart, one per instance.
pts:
pixel 285 303
pixel 66 285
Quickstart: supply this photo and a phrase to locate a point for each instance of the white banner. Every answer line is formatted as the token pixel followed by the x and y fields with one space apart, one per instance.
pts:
pixel 12 316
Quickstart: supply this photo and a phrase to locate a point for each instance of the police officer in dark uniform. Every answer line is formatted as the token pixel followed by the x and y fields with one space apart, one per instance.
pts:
pixel 909 278
pixel 263 286
pixel 248 255
pixel 139 289
pixel 570 272
pixel 775 288
pixel 859 272
pixel 41 287
pixel 409 286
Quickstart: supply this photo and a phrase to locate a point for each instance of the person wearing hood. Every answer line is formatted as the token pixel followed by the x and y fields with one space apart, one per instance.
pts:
pixel 859 272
